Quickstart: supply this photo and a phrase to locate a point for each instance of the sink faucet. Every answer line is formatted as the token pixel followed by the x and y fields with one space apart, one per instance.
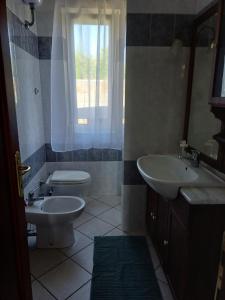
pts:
pixel 195 155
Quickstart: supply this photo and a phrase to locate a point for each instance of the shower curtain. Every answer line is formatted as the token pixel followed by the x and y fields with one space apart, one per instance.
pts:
pixel 87 74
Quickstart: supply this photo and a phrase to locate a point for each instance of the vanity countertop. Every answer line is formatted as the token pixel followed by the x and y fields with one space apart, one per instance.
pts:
pixel 203 195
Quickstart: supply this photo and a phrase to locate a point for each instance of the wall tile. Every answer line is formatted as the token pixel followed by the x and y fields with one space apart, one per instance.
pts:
pixel 50 154
pixel 183 28
pixel 80 155
pixel 138 29
pixel 94 155
pixel 162 6
pixel 64 156
pixel 157 29
pixel 36 161
pixel 44 47
pixel 22 37
pixel 134 208
pixel 131 174
pixel 162 30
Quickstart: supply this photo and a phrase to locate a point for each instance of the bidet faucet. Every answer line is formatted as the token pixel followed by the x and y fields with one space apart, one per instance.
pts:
pixel 31 199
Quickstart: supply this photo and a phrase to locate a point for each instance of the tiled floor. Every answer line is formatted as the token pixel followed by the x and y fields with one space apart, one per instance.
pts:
pixel 66 273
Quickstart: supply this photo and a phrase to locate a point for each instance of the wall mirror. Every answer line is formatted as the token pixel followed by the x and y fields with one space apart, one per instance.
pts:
pixel 201 125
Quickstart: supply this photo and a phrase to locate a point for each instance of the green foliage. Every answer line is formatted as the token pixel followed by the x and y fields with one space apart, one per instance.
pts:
pixel 86 65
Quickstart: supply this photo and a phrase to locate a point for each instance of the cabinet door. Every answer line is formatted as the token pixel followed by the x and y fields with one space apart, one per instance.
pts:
pixel 151 216
pixel 177 256
pixel 220 291
pixel 162 230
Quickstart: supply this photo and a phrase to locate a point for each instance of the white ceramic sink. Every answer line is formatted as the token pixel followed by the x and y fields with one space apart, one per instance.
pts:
pixel 167 173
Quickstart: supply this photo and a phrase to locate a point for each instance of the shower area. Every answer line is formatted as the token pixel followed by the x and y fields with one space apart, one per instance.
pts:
pixel 83 132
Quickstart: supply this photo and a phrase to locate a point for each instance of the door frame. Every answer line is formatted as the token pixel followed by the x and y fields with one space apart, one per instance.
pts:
pixel 15 269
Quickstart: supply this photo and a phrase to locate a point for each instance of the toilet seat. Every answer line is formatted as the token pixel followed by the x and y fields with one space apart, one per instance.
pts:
pixel 68 177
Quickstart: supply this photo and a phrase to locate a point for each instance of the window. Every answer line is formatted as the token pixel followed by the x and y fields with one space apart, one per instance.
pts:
pixel 91 71
pixel 87 74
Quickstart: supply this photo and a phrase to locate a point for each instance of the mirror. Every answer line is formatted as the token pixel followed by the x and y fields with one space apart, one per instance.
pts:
pixel 202 123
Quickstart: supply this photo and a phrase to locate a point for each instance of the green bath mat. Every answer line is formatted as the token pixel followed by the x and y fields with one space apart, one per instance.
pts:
pixel 123 270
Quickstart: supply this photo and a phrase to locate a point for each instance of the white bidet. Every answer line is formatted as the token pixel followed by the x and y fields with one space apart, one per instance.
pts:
pixel 54 218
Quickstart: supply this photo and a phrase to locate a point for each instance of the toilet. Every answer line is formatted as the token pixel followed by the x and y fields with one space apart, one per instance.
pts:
pixel 54 216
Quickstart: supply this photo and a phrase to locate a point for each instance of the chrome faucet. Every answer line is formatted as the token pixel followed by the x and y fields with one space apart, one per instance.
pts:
pixel 195 158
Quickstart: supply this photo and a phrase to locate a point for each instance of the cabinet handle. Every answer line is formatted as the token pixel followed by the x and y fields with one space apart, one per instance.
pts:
pixel 165 242
pixel 153 218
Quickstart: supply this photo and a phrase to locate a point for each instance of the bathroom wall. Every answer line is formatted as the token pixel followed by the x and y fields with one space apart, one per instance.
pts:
pixel 105 166
pixel 201 4
pixel 156 82
pixel 28 96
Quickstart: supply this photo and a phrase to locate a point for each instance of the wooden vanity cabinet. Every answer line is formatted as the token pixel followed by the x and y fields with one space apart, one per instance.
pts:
pixel 187 239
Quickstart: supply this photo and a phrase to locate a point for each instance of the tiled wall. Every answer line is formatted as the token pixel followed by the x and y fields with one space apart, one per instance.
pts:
pixel 156 81
pixel 26 76
pixel 201 4
pixel 30 59
pixel 86 159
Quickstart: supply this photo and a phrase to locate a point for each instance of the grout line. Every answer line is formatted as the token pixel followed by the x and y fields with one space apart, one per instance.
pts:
pixel 52 268
pixel 92 217
pixel 91 242
pixel 78 289
pixel 74 261
pixel 98 217
pixel 44 287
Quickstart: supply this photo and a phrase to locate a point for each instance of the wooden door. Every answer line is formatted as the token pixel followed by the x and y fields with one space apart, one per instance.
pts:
pixel 15 274
pixel 220 290
pixel 162 229
pixel 177 256
pixel 152 212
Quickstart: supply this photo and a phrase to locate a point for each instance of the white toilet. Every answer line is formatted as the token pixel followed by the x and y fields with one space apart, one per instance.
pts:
pixel 54 215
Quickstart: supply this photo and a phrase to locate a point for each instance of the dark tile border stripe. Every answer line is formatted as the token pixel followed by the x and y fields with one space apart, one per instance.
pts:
pixel 142 30
pixel 44 47
pixel 131 174
pixel 36 161
pixel 83 155
pixel 158 29
pixel 22 37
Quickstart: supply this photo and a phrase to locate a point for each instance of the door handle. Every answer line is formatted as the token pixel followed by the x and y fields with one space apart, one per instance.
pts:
pixel 20 171
pixel 23 169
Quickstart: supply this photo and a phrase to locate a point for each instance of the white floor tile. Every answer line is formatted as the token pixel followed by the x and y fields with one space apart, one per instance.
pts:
pixel 116 232
pixel 112 216
pixel 40 293
pixel 81 241
pixel 165 291
pixel 111 200
pixel 95 207
pixel 64 280
pixel 118 207
pixel 95 227
pixel 83 293
pixel 41 260
pixel 85 258
pixel 83 218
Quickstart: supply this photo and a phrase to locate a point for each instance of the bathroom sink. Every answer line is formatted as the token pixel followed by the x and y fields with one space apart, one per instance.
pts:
pixel 167 173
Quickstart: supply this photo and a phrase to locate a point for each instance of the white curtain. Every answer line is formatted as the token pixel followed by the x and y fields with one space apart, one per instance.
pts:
pixel 87 74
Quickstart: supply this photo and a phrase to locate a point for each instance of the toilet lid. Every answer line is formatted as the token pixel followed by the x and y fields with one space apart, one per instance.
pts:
pixel 70 177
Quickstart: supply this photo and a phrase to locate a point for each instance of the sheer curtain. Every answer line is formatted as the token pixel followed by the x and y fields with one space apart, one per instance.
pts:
pixel 87 74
